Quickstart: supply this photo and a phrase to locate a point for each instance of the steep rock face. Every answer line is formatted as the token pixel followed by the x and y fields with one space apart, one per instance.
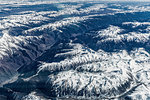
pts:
pixel 80 72
pixel 104 75
pixel 17 51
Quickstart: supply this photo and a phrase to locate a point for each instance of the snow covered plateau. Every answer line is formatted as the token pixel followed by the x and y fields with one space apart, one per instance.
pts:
pixel 74 50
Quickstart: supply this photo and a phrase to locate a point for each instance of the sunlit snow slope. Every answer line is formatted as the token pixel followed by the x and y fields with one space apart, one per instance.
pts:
pixel 74 49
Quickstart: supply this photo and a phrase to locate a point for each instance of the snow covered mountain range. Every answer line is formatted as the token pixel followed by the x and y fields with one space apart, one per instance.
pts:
pixel 71 49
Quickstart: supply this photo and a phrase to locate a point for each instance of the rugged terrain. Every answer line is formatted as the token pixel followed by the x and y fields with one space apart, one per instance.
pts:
pixel 74 50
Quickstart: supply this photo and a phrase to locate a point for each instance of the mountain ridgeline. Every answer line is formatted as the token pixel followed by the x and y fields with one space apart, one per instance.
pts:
pixel 74 50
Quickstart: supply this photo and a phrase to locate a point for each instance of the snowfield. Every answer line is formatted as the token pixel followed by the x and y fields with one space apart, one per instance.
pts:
pixel 70 49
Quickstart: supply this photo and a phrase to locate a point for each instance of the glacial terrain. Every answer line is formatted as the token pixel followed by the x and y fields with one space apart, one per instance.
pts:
pixel 74 50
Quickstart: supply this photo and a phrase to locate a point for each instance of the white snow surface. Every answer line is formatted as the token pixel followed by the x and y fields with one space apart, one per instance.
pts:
pixel 99 73
pixel 26 35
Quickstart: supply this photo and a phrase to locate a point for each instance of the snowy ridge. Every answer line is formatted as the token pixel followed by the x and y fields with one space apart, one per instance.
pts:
pixel 113 33
pixel 74 49
pixel 89 84
pixel 99 78
pixel 21 20
pixel 19 50
pixel 56 25
pixel 136 24
pixel 81 56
